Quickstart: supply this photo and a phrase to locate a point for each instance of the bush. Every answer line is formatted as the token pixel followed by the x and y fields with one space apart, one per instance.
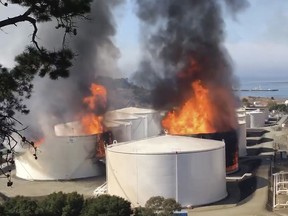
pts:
pixel 106 205
pixel 278 107
pixel 19 206
pixel 71 204
pixel 60 204
pixel 158 205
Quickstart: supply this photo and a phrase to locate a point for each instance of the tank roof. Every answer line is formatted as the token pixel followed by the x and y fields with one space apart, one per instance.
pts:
pixel 116 115
pixel 166 144
pixel 137 110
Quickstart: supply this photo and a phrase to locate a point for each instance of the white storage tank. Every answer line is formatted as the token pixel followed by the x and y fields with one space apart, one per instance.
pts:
pixel 241 111
pixel 153 119
pixel 121 130
pixel 60 158
pixel 242 143
pixel 266 111
pixel 190 170
pixel 248 120
pixel 138 130
pixel 69 129
pixel 257 119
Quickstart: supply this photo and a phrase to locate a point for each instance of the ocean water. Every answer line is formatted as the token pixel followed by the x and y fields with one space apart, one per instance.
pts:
pixel 282 87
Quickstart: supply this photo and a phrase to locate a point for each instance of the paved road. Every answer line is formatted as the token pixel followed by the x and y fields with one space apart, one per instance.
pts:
pixel 255 204
pixel 42 188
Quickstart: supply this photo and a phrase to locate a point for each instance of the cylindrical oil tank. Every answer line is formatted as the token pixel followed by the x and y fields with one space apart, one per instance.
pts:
pixel 61 158
pixel 266 111
pixel 69 129
pixel 248 121
pixel 241 117
pixel 257 119
pixel 242 138
pixel 153 119
pixel 230 139
pixel 138 130
pixel 190 170
pixel 121 130
pixel 241 111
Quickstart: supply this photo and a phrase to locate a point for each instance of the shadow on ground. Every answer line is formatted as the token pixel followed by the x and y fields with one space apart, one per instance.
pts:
pixel 257 151
pixel 241 190
pixel 252 142
pixel 256 132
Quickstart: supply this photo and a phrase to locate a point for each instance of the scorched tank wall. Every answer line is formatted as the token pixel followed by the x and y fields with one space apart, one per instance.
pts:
pixel 60 158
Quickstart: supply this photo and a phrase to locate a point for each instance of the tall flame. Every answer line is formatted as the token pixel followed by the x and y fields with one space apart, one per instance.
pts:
pixel 195 116
pixel 208 109
pixel 92 123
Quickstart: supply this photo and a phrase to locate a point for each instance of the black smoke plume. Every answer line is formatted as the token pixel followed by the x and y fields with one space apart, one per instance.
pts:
pixel 183 42
pixel 61 100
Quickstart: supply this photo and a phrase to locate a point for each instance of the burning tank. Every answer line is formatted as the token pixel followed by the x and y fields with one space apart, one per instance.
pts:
pixel 200 116
pixel 64 158
pixel 73 149
pixel 189 70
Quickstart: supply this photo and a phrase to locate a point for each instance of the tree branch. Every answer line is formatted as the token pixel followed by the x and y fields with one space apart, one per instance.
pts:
pixel 23 18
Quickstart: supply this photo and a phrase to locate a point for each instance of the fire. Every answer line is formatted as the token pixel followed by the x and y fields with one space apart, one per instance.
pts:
pixel 195 116
pixel 39 142
pixel 92 123
pixel 98 97
pixel 202 112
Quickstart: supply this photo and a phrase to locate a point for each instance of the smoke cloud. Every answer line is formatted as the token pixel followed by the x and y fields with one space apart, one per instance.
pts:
pixel 183 42
pixel 58 101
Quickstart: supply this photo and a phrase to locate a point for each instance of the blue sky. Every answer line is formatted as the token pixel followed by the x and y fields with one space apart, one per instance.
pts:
pixel 257 39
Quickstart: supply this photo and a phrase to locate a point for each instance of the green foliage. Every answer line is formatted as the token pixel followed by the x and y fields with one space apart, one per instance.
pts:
pixel 20 206
pixel 32 61
pixel 246 102
pixel 160 206
pixel 155 203
pixel 74 204
pixel 44 10
pixel 13 90
pixel 71 204
pixel 106 205
pixel 278 107
pixel 16 84
pixel 60 204
pixel 169 206
pixel 141 211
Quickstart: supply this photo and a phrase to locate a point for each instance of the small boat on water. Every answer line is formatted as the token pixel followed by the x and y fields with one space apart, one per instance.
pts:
pixel 265 89
pixel 261 89
pixel 256 89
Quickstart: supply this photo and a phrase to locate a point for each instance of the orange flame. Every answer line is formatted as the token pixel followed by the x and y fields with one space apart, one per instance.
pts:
pixel 92 123
pixel 194 116
pixel 39 142
pixel 201 113
pixel 98 97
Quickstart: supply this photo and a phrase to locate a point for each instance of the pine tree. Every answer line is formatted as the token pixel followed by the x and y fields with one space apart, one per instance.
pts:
pixel 36 60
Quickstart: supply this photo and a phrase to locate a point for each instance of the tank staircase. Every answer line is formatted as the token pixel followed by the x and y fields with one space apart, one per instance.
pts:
pixel 280 189
pixel 102 189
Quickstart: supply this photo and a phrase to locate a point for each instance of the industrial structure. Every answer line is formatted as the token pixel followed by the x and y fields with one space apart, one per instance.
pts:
pixel 190 170
pixel 143 161
pixel 241 131
pixel 60 158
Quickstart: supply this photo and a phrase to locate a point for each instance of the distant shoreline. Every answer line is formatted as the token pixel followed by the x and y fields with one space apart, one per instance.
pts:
pixel 263 99
pixel 256 90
